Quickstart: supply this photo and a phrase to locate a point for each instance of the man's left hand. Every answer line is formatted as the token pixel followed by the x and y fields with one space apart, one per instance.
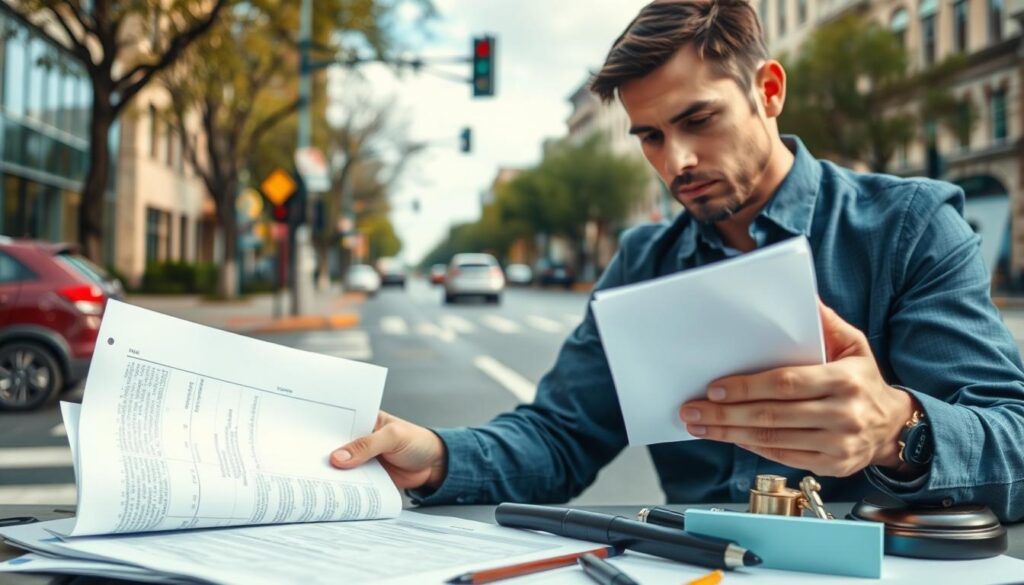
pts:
pixel 833 419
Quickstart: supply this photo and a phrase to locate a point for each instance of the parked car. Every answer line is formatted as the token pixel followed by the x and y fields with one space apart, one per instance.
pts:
pixel 555 273
pixel 391 271
pixel 473 275
pixel 51 303
pixel 437 273
pixel 362 278
pixel 519 274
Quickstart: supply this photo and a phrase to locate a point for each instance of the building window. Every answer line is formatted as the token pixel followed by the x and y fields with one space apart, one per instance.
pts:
pixel 898 25
pixel 927 12
pixel 158 235
pixel 154 131
pixel 169 155
pixel 998 108
pixel 964 123
pixel 782 14
pixel 960 12
pixel 183 239
pixel 15 58
pixel 995 20
pixel 801 11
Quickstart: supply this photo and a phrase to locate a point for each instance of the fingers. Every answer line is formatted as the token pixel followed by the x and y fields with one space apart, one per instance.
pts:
pixel 795 383
pixel 818 463
pixel 364 448
pixel 841 338
pixel 810 414
pixel 817 441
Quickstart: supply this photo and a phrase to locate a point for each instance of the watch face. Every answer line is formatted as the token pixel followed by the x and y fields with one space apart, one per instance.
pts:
pixel 918 449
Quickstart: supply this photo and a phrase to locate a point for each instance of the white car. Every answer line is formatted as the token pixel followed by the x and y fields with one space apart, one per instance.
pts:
pixel 362 278
pixel 474 275
pixel 520 274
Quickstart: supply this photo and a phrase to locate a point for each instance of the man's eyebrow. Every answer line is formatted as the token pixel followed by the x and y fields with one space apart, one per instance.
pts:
pixel 689 111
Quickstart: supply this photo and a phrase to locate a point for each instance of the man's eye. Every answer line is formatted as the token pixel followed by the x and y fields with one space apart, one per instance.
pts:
pixel 650 138
pixel 698 122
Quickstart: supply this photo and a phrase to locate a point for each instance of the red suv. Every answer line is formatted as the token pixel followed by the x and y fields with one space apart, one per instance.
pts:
pixel 51 303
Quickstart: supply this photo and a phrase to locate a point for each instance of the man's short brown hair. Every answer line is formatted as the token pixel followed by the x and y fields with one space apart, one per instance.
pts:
pixel 726 33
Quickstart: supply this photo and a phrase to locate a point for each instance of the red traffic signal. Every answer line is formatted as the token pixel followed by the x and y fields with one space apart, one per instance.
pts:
pixel 483 66
pixel 280 213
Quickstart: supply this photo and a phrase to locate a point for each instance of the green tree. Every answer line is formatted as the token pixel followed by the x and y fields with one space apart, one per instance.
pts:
pixel 123 46
pixel 574 185
pixel 381 239
pixel 853 96
pixel 239 83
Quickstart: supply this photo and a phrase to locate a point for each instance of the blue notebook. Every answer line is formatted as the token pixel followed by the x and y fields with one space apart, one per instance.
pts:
pixel 834 547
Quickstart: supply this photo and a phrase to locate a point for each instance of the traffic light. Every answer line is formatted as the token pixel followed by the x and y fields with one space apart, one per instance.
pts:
pixel 280 213
pixel 483 66
pixel 466 140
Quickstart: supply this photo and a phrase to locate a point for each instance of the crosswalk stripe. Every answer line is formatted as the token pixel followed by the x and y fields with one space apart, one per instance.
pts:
pixel 59 431
pixel 519 386
pixel 457 324
pixel 544 324
pixel 501 324
pixel 353 344
pixel 394 326
pixel 21 457
pixel 429 329
pixel 571 319
pixel 55 494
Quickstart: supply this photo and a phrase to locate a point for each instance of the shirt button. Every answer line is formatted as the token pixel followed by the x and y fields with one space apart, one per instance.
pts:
pixel 742 484
pixel 947 502
pixel 460 500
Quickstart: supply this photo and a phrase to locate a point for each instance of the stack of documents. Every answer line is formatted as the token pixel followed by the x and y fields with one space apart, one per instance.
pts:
pixel 200 454
pixel 666 339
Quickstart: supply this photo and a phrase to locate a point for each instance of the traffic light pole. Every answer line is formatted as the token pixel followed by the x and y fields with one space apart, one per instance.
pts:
pixel 300 238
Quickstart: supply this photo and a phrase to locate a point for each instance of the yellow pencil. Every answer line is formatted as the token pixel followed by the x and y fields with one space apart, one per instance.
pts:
pixel 711 578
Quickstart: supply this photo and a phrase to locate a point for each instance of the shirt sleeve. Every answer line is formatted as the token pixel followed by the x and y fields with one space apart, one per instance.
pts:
pixel 952 351
pixel 549 450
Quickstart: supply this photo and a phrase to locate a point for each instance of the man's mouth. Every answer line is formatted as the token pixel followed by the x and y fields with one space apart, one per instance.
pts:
pixel 695 190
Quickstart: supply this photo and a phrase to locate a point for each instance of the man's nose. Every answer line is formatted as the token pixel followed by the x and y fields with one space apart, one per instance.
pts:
pixel 682 157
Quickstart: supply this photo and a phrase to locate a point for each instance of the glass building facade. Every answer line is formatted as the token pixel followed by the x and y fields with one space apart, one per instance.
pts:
pixel 45 104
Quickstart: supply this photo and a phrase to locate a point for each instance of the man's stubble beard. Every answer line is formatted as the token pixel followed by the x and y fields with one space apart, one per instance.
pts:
pixel 744 183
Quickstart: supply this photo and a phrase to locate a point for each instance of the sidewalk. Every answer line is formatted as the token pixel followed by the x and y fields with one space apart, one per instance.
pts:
pixel 330 309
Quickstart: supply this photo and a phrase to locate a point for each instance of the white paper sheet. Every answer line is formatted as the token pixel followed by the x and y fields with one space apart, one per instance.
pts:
pixel 33 563
pixel 667 338
pixel 71 412
pixel 184 426
pixel 895 571
pixel 414 548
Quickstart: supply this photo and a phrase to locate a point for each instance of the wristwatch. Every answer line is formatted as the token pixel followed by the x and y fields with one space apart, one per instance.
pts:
pixel 915 441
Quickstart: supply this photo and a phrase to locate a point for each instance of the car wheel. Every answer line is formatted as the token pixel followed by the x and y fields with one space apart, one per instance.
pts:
pixel 496 299
pixel 449 299
pixel 29 376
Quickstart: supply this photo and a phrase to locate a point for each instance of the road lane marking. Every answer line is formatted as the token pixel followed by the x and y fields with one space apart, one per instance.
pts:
pixel 501 324
pixel 58 431
pixel 31 457
pixel 520 387
pixel 572 320
pixel 53 494
pixel 457 324
pixel 353 344
pixel 394 326
pixel 546 325
pixel 429 329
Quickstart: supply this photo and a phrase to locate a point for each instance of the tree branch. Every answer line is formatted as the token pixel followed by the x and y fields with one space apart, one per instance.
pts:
pixel 272 120
pixel 143 73
pixel 77 47
pixel 79 16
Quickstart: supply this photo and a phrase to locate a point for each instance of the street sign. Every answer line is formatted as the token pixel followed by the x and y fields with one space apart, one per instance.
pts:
pixel 278 187
pixel 312 166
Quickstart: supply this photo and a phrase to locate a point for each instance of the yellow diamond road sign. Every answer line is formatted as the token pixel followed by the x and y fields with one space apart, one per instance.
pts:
pixel 278 187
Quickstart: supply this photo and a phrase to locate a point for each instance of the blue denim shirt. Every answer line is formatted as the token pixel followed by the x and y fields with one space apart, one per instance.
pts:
pixel 893 256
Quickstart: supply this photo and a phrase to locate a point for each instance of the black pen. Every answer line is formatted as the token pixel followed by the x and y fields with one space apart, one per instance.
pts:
pixel 603 572
pixel 662 517
pixel 667 543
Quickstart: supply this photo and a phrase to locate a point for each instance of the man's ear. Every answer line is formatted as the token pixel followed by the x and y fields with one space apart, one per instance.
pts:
pixel 771 87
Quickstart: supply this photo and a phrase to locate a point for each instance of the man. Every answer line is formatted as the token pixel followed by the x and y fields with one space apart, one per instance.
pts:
pixel 923 392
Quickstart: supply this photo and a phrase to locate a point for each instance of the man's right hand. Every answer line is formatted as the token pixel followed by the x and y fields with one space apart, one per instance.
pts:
pixel 412 455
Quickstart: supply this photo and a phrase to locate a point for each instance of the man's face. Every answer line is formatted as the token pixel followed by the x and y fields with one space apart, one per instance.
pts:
pixel 699 130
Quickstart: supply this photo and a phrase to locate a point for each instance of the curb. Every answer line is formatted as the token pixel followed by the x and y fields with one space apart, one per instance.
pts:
pixel 306 323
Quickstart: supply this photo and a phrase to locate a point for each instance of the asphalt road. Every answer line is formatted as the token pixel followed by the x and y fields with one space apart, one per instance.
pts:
pixel 447 366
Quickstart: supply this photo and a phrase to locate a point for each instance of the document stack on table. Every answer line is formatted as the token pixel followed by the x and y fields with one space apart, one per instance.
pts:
pixel 203 455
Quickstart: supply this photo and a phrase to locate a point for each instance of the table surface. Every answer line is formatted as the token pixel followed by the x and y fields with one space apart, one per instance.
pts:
pixel 478 513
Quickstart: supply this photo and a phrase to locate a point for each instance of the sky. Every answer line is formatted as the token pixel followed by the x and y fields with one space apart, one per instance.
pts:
pixel 545 51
